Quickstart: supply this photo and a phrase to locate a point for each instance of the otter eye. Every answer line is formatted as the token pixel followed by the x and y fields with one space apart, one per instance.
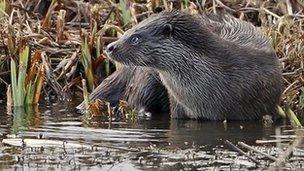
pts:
pixel 135 40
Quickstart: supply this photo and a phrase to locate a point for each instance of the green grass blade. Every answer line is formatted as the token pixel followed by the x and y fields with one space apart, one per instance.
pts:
pixel 281 112
pixel 30 93
pixel 23 61
pixel 86 60
pixel 14 81
pixel 293 118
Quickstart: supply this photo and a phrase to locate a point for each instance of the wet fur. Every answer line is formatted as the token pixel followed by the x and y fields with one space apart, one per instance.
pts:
pixel 140 87
pixel 213 66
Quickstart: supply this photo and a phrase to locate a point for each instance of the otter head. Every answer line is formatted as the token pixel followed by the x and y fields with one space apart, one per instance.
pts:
pixel 159 41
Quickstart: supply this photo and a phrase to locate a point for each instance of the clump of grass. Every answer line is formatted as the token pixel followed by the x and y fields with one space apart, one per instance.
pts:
pixel 286 38
pixel 94 108
pixel 103 110
pixel 129 113
pixel 18 81
pixel 26 83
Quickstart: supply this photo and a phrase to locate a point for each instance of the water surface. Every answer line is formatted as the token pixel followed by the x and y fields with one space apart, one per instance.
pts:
pixel 57 136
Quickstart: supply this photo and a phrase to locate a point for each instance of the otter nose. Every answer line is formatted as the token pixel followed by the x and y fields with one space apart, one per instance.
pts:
pixel 111 47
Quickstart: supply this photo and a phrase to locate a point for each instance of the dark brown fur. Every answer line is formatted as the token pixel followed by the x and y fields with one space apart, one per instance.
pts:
pixel 140 87
pixel 213 66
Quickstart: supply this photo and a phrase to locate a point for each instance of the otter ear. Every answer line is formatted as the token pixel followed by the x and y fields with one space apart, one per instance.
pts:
pixel 167 29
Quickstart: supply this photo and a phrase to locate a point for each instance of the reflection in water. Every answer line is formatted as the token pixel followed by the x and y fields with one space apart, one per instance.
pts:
pixel 215 133
pixel 25 117
pixel 57 123
pixel 62 122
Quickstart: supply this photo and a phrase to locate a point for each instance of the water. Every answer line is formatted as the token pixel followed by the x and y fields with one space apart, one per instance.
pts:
pixel 56 136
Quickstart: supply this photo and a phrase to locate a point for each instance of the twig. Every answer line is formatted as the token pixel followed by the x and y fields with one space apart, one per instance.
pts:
pixel 283 156
pixel 283 136
pixel 271 13
pixel 289 87
pixel 108 16
pixel 248 9
pixel 27 11
pixel 3 81
pixel 235 148
pixel 224 6
pixel 257 151
pixel 299 70
pixel 82 24
pixel 199 7
pixel 144 14
pixel 242 13
pixel 272 141
pixel 109 39
pixel 289 7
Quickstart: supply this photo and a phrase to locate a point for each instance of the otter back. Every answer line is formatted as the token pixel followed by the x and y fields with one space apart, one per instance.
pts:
pixel 213 66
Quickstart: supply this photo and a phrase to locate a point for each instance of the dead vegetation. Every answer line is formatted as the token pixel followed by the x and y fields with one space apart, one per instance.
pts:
pixel 66 40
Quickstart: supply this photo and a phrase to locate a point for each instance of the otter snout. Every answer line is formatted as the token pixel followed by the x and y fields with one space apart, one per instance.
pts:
pixel 111 48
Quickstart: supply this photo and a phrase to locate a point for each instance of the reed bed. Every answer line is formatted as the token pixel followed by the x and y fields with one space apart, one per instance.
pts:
pixel 48 47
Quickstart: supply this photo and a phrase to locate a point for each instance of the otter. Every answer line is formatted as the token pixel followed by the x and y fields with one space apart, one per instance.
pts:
pixel 140 87
pixel 213 67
